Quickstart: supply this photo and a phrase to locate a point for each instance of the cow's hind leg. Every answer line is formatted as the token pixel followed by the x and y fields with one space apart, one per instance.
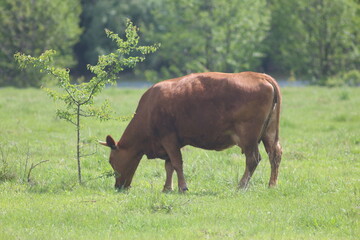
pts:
pixel 274 151
pixel 246 139
pixel 252 160
pixel 171 146
pixel 169 173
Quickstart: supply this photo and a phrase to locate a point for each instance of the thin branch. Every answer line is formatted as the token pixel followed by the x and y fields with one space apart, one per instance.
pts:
pixel 87 115
pixel 33 166
pixel 26 164
pixel 74 100
pixel 92 92
pixel 83 113
pixel 69 120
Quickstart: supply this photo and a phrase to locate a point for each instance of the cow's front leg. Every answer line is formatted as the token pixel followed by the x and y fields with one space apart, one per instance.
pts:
pixel 171 147
pixel 169 173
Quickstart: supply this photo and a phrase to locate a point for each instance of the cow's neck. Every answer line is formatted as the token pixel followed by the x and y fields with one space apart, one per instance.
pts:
pixel 132 137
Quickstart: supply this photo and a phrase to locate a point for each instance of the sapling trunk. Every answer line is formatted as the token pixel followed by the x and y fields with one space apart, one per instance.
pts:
pixel 78 142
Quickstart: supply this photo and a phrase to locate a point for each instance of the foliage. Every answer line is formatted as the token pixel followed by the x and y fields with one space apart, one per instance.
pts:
pixel 98 15
pixel 202 35
pixel 311 40
pixel 317 196
pixel 316 38
pixel 32 27
pixel 350 78
pixel 79 98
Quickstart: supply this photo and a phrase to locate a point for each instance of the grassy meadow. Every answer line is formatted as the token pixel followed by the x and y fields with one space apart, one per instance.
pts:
pixel 318 195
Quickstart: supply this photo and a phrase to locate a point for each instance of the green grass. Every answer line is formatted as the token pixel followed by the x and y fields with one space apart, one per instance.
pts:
pixel 318 196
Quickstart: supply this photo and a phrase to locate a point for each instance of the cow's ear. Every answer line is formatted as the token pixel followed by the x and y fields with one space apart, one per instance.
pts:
pixel 109 142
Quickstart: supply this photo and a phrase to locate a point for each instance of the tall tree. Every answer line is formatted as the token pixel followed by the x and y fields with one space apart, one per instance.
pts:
pixel 98 15
pixel 32 27
pixel 207 35
pixel 314 38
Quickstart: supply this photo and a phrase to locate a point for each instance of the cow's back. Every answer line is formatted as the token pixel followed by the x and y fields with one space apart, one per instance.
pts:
pixel 205 109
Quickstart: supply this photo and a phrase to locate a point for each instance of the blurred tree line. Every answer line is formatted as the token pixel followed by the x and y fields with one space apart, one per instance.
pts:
pixel 316 40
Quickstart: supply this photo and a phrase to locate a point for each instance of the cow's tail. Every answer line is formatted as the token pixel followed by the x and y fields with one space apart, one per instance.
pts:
pixel 275 108
pixel 271 137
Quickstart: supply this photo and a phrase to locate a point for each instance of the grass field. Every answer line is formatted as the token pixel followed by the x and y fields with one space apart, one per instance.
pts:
pixel 318 196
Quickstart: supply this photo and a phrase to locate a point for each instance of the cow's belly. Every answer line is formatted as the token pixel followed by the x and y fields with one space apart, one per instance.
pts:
pixel 214 142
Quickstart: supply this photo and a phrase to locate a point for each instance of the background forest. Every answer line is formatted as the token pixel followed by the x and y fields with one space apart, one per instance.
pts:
pixel 313 40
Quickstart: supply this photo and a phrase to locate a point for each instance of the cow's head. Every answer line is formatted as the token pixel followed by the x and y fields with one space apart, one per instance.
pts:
pixel 122 161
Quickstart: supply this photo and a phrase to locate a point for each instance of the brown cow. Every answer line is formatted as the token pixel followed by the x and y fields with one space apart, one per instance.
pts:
pixel 206 110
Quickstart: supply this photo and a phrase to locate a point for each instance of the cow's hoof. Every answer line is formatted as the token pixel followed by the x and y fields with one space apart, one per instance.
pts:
pixel 122 189
pixel 183 190
pixel 272 185
pixel 243 187
pixel 167 189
